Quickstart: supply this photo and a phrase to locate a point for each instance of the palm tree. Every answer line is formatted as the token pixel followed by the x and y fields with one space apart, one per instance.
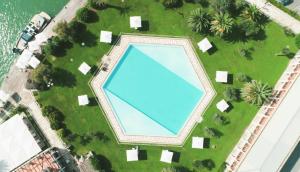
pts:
pixel 199 20
pixel 252 13
pixel 222 24
pixel 99 3
pixel 255 92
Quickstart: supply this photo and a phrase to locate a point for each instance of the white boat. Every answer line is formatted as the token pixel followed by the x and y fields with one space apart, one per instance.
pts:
pixel 36 25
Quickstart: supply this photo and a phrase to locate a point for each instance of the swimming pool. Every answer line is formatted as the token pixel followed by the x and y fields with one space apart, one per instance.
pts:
pixel 153 89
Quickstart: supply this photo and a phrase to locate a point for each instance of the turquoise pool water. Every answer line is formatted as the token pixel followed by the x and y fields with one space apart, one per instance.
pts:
pixel 153 90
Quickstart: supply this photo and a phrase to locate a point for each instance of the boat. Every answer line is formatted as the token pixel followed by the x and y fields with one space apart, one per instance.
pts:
pixel 36 25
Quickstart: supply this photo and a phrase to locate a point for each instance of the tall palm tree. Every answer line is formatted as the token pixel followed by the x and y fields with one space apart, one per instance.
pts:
pixel 255 92
pixel 199 20
pixel 252 13
pixel 222 24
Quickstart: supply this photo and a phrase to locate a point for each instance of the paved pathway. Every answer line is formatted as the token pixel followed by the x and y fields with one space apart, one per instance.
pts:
pixel 277 15
pixel 16 79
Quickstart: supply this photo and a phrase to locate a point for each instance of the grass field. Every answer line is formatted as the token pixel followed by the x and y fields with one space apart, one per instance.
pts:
pixel 263 65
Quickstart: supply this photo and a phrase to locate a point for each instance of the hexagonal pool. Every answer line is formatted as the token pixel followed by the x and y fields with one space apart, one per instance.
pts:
pixel 153 89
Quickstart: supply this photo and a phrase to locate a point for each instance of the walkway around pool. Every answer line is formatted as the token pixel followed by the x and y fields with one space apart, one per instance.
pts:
pixel 16 79
pixel 111 59
pixel 277 15
pixel 274 131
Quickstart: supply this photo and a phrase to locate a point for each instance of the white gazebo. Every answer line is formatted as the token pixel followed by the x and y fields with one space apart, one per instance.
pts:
pixel 135 22
pixel 222 105
pixel 83 100
pixel 4 96
pixel 166 156
pixel 84 68
pixel 34 62
pixel 132 155
pixel 198 142
pixel 204 45
pixel 222 76
pixel 105 36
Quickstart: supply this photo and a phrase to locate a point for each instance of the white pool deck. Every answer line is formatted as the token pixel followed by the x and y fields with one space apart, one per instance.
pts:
pixel 274 132
pixel 111 59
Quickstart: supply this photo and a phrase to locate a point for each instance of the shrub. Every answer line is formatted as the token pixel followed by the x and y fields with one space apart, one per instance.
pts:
pixel 210 132
pixel 55 117
pixel 231 94
pixel 220 119
pixel 297 41
pixel 172 3
pixel 170 169
pixel 201 165
pixel 288 32
pixel 84 14
pixel 99 4
pixel 241 77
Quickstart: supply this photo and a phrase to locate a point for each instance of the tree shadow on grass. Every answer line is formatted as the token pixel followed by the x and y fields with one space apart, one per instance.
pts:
pixel 105 163
pixel 237 35
pixel 93 17
pixel 143 155
pixel 64 78
pixel 145 26
pixel 89 39
pixel 93 101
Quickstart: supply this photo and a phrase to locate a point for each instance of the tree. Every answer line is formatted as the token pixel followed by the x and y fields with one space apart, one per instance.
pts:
pixel 252 13
pixel 199 20
pixel 210 132
pixel 255 92
pixel 76 30
pixel 84 14
pixel 41 76
pixel 54 46
pixel 172 3
pixel 99 4
pixel 231 94
pixel 62 29
pixel 170 169
pixel 250 28
pixel 286 51
pixel 221 24
pixel 297 41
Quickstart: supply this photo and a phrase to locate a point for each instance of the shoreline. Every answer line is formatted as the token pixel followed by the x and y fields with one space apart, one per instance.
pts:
pixel 15 80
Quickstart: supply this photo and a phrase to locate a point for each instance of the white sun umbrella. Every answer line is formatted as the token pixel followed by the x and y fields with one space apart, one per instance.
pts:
pixel 132 155
pixel 84 68
pixel 83 100
pixel 222 105
pixel 222 76
pixel 3 96
pixel 135 22
pixel 197 142
pixel 105 36
pixel 166 156
pixel 204 45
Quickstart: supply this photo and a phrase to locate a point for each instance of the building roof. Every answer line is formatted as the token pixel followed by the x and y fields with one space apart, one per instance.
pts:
pixel 166 156
pixel 84 68
pixel 135 22
pixel 34 62
pixel 204 45
pixel 198 142
pixel 221 76
pixel 3 96
pixel 105 36
pixel 278 138
pixel 132 155
pixel 17 145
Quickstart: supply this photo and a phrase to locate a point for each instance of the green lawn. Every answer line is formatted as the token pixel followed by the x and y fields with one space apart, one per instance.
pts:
pixel 264 66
